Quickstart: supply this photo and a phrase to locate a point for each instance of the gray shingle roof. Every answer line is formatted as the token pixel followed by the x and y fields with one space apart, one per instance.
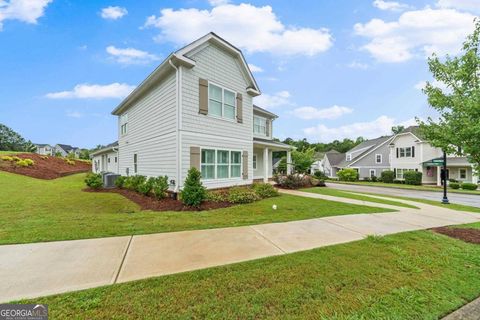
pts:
pixel 334 157
pixel 368 145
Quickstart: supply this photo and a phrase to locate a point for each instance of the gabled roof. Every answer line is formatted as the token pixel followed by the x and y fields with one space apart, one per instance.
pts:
pixel 66 147
pixel 366 147
pixel 41 145
pixel 109 147
pixel 264 112
pixel 334 157
pixel 181 57
pixel 412 130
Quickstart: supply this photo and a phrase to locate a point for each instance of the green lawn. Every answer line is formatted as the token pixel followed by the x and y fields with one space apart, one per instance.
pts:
pixel 3 153
pixel 33 210
pixel 406 186
pixel 344 194
pixel 415 275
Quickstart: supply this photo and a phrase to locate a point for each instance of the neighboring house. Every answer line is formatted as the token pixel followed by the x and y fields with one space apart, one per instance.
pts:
pixel 330 163
pixel 196 110
pixel 65 150
pixel 105 159
pixel 369 158
pixel 318 164
pixel 409 151
pixel 44 149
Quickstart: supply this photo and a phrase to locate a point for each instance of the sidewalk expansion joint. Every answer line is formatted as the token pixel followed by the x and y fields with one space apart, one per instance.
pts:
pixel 123 260
pixel 268 240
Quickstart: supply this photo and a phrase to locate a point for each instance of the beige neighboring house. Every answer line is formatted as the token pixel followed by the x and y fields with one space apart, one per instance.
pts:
pixel 44 149
pixel 196 110
pixel 105 159
pixel 409 151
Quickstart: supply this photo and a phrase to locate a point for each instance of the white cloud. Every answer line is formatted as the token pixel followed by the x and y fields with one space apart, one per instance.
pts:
pixel 215 3
pixel 131 55
pixel 28 11
pixel 94 91
pixel 74 114
pixel 358 65
pixel 390 5
pixel 268 101
pixel 376 128
pixel 255 68
pixel 308 113
pixel 113 13
pixel 254 29
pixel 416 32
pixel 467 5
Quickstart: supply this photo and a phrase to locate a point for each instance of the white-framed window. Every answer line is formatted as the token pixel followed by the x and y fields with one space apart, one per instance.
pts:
pixel 135 163
pixel 405 152
pixel 123 123
pixel 221 102
pixel 260 125
pixel 220 164
pixel 373 173
pixel 254 159
pixel 349 156
pixel 462 174
pixel 401 172
pixel 378 158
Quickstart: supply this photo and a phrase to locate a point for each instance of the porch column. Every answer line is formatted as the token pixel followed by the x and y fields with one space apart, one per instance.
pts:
pixel 266 166
pixel 289 162
pixel 439 176
pixel 474 176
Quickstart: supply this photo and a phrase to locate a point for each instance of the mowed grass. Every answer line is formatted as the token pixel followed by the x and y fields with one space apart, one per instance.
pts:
pixel 33 210
pixel 415 275
pixel 6 153
pixel 344 194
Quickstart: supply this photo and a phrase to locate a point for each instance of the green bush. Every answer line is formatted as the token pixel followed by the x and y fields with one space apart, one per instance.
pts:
pixel 134 183
pixel 70 162
pixel 396 181
pixel 146 187
pixel 22 163
pixel 347 174
pixel 217 196
pixel 7 158
pixel 242 195
pixel 120 182
pixel 454 185
pixel 292 181
pixel 388 176
pixel 469 186
pixel 413 178
pixel 374 179
pixel 15 158
pixel 366 179
pixel 159 187
pixel 264 190
pixel 30 162
pixel 193 193
pixel 320 175
pixel 94 180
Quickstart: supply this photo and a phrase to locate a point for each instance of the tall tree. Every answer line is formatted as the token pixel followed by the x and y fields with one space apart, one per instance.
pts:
pixel 457 129
pixel 12 141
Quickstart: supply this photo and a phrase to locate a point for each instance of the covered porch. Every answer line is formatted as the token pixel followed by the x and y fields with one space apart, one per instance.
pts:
pixel 263 157
pixel 458 168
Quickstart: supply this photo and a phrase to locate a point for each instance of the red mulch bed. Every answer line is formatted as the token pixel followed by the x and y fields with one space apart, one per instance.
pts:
pixel 50 168
pixel 464 234
pixel 167 204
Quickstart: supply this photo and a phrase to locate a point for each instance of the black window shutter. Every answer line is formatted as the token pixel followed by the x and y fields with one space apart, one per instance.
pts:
pixel 413 152
pixel 397 152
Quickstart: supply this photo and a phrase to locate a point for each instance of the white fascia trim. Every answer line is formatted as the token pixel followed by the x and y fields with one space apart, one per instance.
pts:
pixel 404 134
pixel 356 160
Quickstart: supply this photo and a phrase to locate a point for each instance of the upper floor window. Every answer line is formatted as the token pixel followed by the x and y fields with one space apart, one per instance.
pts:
pixel 378 158
pixel 349 157
pixel 123 123
pixel 259 125
pixel 405 152
pixel 221 102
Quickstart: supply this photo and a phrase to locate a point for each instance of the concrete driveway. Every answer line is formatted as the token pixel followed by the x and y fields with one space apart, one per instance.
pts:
pixel 459 198
pixel 38 269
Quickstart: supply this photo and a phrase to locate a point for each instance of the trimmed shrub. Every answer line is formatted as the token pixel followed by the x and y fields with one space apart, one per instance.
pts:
pixel 94 180
pixel 146 187
pixel 454 185
pixel 193 193
pixel 30 162
pixel 7 158
pixel 399 181
pixel 22 163
pixel 15 158
pixel 366 179
pixel 374 179
pixel 137 182
pixel 159 187
pixel 242 195
pixel 347 174
pixel 217 196
pixel 264 190
pixel 320 175
pixel 413 178
pixel 388 176
pixel 120 181
pixel 292 181
pixel 70 162
pixel 469 186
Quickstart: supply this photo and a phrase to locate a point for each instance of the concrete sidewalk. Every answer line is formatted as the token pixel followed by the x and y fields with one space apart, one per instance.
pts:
pixel 33 270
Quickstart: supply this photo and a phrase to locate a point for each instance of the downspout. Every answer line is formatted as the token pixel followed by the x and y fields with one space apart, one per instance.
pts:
pixel 177 106
pixel 118 159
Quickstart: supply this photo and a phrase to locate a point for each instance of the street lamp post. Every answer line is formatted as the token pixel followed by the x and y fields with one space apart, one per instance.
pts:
pixel 445 198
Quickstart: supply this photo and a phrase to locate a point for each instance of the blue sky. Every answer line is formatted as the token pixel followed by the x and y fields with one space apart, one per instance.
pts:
pixel 330 69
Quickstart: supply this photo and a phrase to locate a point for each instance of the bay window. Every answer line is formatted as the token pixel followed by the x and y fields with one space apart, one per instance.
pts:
pixel 220 164
pixel 221 102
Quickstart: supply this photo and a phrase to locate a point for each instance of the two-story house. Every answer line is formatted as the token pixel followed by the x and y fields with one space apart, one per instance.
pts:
pixel 196 110
pixel 409 151
pixel 65 150
pixel 44 149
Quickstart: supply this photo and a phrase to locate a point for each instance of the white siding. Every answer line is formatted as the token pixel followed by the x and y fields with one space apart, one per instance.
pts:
pixel 102 162
pixel 216 65
pixel 151 132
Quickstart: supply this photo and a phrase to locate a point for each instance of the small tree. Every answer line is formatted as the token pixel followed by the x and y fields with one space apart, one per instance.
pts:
pixel 303 160
pixel 193 193
pixel 458 104
pixel 347 174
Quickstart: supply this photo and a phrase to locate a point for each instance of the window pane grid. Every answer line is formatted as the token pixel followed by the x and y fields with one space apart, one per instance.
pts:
pixel 221 102
pixel 220 164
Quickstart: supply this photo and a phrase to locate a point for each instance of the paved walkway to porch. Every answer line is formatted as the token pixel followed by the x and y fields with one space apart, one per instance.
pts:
pixel 38 269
